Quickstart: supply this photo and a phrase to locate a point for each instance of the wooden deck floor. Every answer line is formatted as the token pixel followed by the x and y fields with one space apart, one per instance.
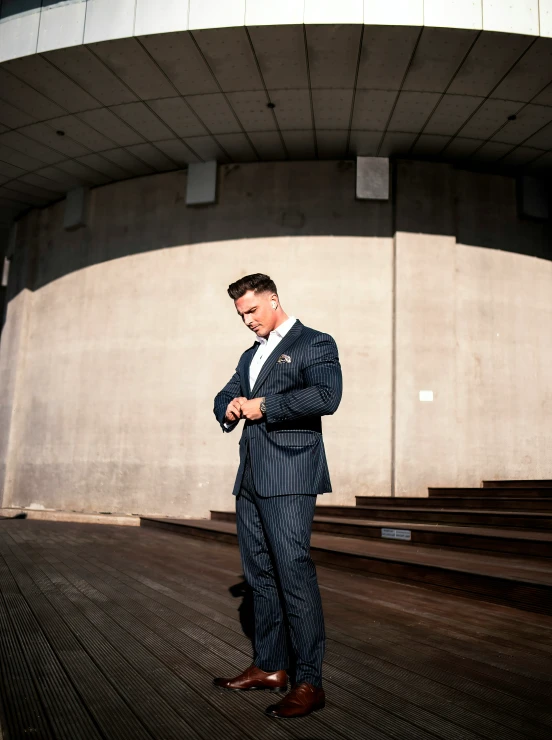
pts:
pixel 116 632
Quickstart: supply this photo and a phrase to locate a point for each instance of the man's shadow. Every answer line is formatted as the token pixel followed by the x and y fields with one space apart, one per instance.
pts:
pixel 245 609
pixel 247 620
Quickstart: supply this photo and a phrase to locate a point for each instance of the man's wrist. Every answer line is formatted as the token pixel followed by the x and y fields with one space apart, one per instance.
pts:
pixel 262 406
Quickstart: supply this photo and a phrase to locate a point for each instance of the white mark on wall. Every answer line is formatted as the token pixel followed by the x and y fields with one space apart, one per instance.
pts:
pixel 426 395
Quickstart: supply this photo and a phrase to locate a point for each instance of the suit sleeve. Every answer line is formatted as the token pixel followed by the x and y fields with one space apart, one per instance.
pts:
pixel 323 386
pixel 231 390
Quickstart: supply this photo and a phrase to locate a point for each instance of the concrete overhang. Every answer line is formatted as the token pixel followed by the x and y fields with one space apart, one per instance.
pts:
pixel 103 95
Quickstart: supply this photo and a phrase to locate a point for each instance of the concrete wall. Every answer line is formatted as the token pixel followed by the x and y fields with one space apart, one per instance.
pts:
pixel 36 26
pixel 128 334
pixel 474 325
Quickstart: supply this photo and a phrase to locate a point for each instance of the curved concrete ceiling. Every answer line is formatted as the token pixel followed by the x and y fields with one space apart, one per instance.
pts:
pixel 98 111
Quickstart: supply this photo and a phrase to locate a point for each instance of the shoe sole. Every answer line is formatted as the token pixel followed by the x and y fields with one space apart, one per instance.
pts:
pixel 253 688
pixel 297 716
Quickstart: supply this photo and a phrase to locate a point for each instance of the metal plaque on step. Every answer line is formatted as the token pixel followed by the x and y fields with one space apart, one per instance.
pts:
pixel 396 534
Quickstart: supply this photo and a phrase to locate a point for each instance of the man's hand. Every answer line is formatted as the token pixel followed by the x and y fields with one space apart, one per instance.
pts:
pixel 233 410
pixel 251 409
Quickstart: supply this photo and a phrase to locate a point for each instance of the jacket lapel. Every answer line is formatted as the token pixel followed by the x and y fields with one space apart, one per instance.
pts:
pixel 272 358
pixel 246 365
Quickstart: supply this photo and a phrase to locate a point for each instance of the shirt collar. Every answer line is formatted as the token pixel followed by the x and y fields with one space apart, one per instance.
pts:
pixel 280 331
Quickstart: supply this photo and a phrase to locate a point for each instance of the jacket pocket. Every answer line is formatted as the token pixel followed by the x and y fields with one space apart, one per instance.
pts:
pixel 296 438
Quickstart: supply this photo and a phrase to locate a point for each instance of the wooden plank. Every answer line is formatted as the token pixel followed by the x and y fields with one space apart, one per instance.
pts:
pixel 204 648
pixel 511 502
pixel 489 577
pixel 507 617
pixel 22 712
pixel 497 493
pixel 532 520
pixel 158 698
pixel 544 734
pixel 397 728
pixel 158 651
pixel 67 715
pixel 517 483
pixel 532 689
pixel 465 539
pixel 538 632
pixel 402 662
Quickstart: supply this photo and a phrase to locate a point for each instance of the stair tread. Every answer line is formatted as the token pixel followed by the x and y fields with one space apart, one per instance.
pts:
pixel 479 503
pixel 532 535
pixel 494 493
pixel 514 569
pixel 545 482
pixel 445 528
pixel 494 500
pixel 506 512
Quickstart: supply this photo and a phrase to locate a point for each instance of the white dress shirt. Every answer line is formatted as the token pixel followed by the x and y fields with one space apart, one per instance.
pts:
pixel 262 353
pixel 266 347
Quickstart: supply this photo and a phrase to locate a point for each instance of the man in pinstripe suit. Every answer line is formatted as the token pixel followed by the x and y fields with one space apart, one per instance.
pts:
pixel 282 386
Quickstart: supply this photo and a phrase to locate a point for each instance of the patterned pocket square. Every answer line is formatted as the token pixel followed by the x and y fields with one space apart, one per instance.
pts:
pixel 284 358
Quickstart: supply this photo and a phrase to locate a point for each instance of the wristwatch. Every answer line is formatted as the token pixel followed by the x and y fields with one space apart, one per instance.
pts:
pixel 263 406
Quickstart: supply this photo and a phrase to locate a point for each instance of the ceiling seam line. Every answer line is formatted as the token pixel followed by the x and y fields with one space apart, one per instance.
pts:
pixel 140 100
pixel 61 193
pixel 67 112
pixel 487 97
pixel 269 100
pixel 94 169
pixel 534 133
pixel 532 161
pixel 102 106
pixel 523 164
pixel 255 152
pixel 101 152
pixel 398 92
pixel 355 82
pixel 48 146
pixel 309 83
pixel 11 183
pixel 35 172
pixel 177 94
pixel 221 91
pixel 513 146
pixel 76 115
pixel 74 82
pixel 454 75
pixel 55 165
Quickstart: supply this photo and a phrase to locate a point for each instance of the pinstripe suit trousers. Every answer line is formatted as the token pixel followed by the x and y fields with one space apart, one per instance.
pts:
pixel 274 538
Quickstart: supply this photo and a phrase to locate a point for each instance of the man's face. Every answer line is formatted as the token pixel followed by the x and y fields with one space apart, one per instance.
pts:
pixel 257 312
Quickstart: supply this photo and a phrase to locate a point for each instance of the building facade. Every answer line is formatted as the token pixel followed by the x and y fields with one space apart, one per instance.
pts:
pixel 117 333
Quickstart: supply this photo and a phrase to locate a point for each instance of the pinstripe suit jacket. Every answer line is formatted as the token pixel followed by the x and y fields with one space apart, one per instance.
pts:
pixel 286 445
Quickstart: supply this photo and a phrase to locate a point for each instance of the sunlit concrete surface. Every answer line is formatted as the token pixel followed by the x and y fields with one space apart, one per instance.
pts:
pixel 119 334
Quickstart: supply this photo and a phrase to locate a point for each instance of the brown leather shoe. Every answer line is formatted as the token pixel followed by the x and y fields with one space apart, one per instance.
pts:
pixel 301 700
pixel 253 679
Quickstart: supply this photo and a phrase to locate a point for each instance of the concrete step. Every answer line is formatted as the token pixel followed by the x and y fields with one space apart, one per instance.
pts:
pixel 517 484
pixel 508 542
pixel 533 520
pixel 448 502
pixel 495 492
pixel 53 515
pixel 525 584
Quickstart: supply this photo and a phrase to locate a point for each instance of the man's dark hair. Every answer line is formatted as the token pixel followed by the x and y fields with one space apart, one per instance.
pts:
pixel 258 283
